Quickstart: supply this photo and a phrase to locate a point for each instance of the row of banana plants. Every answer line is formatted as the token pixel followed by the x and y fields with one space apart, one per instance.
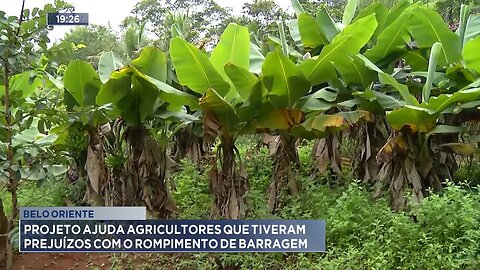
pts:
pixel 399 81
pixel 417 77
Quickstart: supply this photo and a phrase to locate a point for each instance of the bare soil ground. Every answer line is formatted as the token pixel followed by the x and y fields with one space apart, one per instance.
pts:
pixel 61 261
pixel 98 261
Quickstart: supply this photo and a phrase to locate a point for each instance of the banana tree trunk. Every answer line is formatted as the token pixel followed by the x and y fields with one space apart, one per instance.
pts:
pixel 326 155
pixel 96 170
pixel 229 185
pixel 408 163
pixel 119 190
pixel 148 168
pixel 370 139
pixel 188 145
pixel 283 180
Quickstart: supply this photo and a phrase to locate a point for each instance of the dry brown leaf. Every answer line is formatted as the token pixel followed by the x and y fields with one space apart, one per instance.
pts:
pixel 233 210
pixel 211 127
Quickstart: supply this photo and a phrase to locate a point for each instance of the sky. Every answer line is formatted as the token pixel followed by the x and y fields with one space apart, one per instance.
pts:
pixel 104 12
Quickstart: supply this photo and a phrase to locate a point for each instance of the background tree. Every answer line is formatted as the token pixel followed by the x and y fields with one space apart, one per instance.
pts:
pixel 134 36
pixel 262 16
pixel 334 7
pixel 23 46
pixel 388 3
pixel 206 18
pixel 97 39
pixel 448 9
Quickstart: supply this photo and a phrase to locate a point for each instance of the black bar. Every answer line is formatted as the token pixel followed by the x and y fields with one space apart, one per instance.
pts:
pixel 67 19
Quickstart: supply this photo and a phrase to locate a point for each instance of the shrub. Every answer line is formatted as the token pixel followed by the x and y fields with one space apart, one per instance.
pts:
pixel 363 233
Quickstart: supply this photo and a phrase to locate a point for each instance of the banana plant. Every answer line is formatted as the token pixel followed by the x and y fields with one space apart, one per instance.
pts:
pixel 226 108
pixel 286 109
pixel 331 60
pixel 283 85
pixel 367 136
pixel 412 158
pixel 407 32
pixel 82 84
pixel 139 94
pixel 438 67
pixel 187 141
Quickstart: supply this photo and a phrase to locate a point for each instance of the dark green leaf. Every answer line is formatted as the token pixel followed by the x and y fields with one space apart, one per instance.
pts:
pixel 82 82
pixel 287 81
pixel 242 79
pixel 325 22
pixel 348 42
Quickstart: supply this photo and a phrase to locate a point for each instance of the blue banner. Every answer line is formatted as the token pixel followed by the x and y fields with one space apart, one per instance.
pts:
pixel 93 235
